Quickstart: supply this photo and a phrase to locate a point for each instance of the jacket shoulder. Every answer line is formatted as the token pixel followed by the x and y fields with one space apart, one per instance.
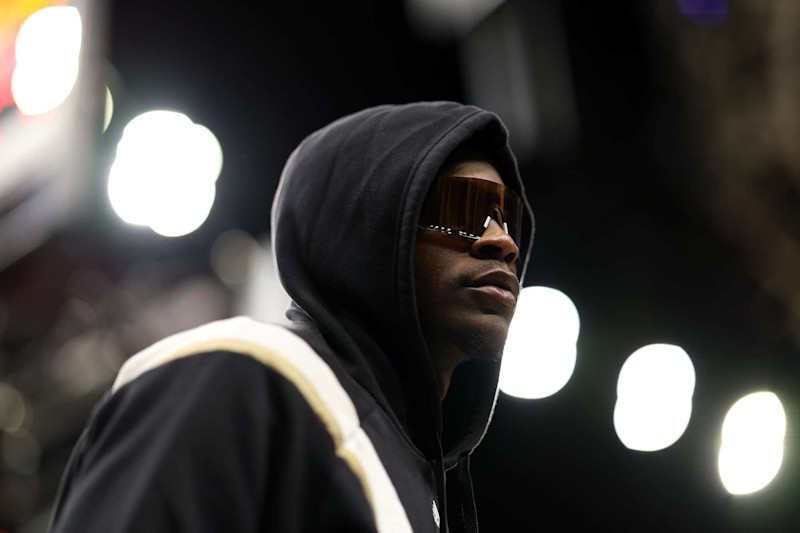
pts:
pixel 202 437
pixel 273 346
pixel 288 355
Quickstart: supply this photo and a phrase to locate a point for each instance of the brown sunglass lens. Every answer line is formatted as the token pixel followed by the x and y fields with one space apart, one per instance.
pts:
pixel 460 205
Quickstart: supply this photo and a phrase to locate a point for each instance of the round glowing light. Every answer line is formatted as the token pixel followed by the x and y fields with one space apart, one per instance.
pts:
pixel 752 443
pixel 654 397
pixel 547 314
pixel 128 191
pixel 540 352
pixel 206 153
pixel 47 52
pixel 233 256
pixel 536 370
pixel 652 424
pixel 183 207
pixel 164 173
pixel 109 109
pixel 657 370
pixel 13 409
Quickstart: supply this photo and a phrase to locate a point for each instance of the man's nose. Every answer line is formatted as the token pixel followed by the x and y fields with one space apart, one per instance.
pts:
pixel 495 243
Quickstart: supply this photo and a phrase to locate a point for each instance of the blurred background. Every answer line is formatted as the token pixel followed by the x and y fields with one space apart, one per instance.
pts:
pixel 141 144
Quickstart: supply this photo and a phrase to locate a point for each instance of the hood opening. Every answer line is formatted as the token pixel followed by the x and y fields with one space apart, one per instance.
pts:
pixel 344 224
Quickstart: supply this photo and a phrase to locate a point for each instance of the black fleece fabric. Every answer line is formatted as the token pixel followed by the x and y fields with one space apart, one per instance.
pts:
pixel 221 442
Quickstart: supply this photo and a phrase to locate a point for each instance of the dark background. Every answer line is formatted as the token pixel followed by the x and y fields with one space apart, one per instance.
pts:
pixel 628 226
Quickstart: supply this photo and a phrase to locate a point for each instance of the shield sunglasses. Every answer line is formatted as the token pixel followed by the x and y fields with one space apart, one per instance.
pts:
pixel 458 205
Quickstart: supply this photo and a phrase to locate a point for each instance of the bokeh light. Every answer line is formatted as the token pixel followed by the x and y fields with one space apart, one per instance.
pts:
pixel 48 56
pixel 540 352
pixel 164 173
pixel 21 453
pixel 233 255
pixel 752 443
pixel 14 409
pixel 654 397
pixel 109 109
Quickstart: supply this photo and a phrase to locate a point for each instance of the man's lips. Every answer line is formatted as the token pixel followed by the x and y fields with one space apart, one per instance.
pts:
pixel 497 293
pixel 500 286
pixel 504 281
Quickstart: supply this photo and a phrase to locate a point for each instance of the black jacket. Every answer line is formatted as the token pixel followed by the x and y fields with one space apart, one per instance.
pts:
pixel 332 423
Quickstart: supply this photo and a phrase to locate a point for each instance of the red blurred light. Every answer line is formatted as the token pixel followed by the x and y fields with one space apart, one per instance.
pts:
pixel 13 14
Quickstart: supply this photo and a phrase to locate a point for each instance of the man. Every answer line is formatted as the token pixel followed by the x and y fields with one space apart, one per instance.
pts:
pixel 401 234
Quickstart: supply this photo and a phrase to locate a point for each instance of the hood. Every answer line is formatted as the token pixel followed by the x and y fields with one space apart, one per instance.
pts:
pixel 344 224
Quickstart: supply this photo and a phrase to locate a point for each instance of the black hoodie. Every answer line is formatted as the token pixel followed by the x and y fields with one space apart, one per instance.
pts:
pixel 332 423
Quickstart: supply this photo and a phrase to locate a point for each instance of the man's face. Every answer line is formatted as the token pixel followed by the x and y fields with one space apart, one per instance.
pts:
pixel 464 314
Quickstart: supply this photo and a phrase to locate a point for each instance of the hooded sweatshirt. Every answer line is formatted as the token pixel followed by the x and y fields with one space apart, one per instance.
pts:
pixel 334 421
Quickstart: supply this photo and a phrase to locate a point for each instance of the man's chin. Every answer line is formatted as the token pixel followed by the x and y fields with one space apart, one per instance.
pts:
pixel 484 344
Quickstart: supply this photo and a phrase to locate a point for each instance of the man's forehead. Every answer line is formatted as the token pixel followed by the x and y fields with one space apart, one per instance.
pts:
pixel 470 160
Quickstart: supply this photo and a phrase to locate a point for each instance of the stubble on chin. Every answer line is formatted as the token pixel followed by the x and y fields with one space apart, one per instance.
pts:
pixel 482 345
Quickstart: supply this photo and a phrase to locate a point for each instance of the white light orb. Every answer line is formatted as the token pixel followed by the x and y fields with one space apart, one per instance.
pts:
pixel 752 443
pixel 540 352
pixel 184 206
pixel 47 51
pixel 109 109
pixel 206 154
pixel 164 173
pixel 537 370
pixel 654 397
pixel 652 423
pixel 657 370
pixel 129 190
pixel 546 313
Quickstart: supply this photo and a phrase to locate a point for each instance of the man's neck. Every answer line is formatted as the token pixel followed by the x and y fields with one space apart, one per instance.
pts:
pixel 445 361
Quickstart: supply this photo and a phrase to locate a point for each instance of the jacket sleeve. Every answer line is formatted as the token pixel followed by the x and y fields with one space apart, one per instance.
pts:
pixel 210 442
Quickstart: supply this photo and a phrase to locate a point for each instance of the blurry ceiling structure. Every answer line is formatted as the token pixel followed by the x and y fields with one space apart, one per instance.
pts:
pixel 516 63
pixel 742 82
